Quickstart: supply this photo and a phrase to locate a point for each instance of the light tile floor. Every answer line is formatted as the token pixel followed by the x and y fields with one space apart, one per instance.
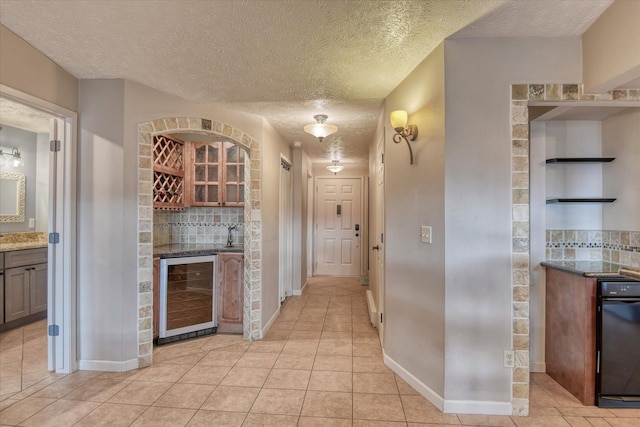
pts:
pixel 320 365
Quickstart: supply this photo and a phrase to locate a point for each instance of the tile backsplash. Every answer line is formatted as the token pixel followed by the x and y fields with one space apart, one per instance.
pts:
pixel 618 247
pixel 198 225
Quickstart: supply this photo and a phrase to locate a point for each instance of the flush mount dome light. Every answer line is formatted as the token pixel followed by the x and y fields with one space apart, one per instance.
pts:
pixel 320 129
pixel 335 167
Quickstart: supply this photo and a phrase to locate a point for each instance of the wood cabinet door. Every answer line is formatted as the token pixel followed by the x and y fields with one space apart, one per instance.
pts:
pixel 16 293
pixel 1 296
pixel 233 177
pixel 204 174
pixel 230 292
pixel 156 297
pixel 38 288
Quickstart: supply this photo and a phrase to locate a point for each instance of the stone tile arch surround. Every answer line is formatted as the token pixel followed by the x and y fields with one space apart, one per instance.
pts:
pixel 521 96
pixel 252 220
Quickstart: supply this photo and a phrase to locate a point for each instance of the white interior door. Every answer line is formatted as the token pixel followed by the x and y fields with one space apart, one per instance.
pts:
pixel 338 226
pixel 286 232
pixel 378 234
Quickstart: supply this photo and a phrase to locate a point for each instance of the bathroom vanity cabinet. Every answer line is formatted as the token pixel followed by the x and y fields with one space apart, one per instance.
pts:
pixel 25 285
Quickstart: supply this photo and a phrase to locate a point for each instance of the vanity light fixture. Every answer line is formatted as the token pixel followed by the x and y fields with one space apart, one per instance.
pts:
pixel 320 129
pixel 403 131
pixel 335 167
pixel 15 158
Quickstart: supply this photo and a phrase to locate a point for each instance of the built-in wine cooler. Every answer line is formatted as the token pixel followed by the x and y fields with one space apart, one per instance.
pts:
pixel 187 298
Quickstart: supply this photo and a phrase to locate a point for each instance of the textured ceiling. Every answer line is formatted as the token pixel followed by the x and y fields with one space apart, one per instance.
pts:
pixel 284 60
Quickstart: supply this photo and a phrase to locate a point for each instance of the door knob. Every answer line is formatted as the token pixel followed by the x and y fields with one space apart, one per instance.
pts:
pixel 376 248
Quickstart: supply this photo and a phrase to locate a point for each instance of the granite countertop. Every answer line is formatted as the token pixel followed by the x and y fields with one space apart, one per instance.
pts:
pixel 23 240
pixel 6 247
pixel 192 249
pixel 591 268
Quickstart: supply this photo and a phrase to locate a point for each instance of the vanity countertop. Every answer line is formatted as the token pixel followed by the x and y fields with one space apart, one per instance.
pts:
pixel 193 249
pixel 23 240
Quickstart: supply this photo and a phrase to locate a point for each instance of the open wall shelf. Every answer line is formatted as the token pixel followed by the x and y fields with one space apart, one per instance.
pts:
pixel 580 200
pixel 581 160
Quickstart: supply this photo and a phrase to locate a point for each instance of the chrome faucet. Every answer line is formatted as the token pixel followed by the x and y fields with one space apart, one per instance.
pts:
pixel 229 241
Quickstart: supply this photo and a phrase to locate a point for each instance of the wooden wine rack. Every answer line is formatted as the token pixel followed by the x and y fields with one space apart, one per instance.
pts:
pixel 168 173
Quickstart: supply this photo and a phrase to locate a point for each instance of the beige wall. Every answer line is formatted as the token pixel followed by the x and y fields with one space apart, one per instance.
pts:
pixel 301 172
pixel 414 329
pixel 24 68
pixel 621 139
pixel 479 75
pixel 272 147
pixel 611 48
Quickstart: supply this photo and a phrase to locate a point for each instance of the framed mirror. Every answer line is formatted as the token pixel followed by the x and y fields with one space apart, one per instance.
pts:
pixel 12 193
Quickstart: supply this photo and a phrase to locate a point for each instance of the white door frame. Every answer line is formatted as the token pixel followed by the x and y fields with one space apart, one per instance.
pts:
pixel 285 238
pixel 61 290
pixel 378 238
pixel 363 213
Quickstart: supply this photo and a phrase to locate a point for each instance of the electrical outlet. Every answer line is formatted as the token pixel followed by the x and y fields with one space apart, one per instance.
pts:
pixel 425 234
pixel 32 223
pixel 509 359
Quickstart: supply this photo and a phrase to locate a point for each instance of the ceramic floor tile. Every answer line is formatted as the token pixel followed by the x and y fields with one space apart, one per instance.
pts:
pixel 281 402
pixel 551 421
pixel 140 393
pixel 291 379
pixel 205 418
pixel 417 409
pixel 622 422
pixel 266 347
pixel 112 415
pixel 324 422
pixel 257 360
pixel 246 377
pixel 335 347
pixel 367 382
pixel 221 358
pixel 331 381
pixel 404 387
pixel 60 413
pixel 328 404
pixel 577 422
pixel 333 363
pixel 294 361
pixel 384 407
pixel 372 423
pixel 300 347
pixel 486 420
pixel 370 364
pixel 205 374
pixel 235 399
pixel 305 335
pixel 162 373
pixel 308 326
pixel 24 409
pixel 264 420
pixel 157 416
pixel 97 390
pixel 189 396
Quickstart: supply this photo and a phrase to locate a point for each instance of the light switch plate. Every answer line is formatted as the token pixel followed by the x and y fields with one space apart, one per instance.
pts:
pixel 32 223
pixel 425 234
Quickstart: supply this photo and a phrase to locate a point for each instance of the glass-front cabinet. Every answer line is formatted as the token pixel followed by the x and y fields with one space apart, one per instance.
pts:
pixel 216 174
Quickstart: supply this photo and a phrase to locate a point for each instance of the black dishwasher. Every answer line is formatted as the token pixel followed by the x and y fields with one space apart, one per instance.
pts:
pixel 618 344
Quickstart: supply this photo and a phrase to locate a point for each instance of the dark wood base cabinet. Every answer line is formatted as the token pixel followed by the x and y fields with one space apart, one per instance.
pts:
pixel 570 337
pixel 230 292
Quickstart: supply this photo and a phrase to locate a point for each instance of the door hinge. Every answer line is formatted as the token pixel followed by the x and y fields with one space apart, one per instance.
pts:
pixel 54 238
pixel 382 158
pixel 381 237
pixel 54 145
pixel 54 330
pixel 380 317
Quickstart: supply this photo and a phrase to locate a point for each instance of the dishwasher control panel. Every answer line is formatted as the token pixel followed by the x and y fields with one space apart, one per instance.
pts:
pixel 620 289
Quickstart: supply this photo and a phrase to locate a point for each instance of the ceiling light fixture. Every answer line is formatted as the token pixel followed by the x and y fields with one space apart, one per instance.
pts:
pixel 320 129
pixel 335 167
pixel 403 131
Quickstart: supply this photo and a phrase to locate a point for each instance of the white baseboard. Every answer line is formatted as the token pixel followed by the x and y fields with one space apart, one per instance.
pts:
pixel 299 293
pixel 373 311
pixel 448 406
pixel 477 407
pixel 107 365
pixel 420 387
pixel 538 367
pixel 266 327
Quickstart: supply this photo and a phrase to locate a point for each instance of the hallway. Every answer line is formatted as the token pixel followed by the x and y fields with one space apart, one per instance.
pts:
pixel 319 365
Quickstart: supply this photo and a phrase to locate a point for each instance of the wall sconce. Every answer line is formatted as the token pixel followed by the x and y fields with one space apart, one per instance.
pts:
pixel 403 131
pixel 320 129
pixel 15 158
pixel 335 167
